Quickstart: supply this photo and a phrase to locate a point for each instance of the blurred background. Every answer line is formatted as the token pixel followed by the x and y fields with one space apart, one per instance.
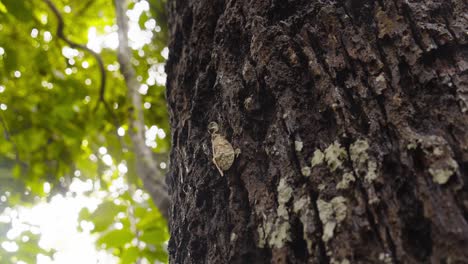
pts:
pixel 69 186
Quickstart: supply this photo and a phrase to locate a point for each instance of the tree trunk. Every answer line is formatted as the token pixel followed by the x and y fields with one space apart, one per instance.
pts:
pixel 351 118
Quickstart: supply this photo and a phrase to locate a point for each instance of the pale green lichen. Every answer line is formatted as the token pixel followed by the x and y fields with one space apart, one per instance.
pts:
pixel 374 200
pixel 284 192
pixel 280 235
pixel 281 232
pixel 282 211
pixel 276 230
pixel 233 237
pixel 344 261
pixel 361 161
pixel 385 258
pixel 439 155
pixel 438 151
pixel 300 204
pixel 371 171
pixel 412 146
pixel 321 187
pixel 328 230
pixel 442 175
pixel 358 151
pixel 331 214
pixel 318 157
pixel 303 209
pixel 339 207
pixel 305 171
pixel 372 196
pixel 345 181
pixel 261 237
pixel 264 234
pixel 298 145
pixel 335 155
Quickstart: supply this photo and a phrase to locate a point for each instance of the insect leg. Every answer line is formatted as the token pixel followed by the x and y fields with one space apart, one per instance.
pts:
pixel 216 164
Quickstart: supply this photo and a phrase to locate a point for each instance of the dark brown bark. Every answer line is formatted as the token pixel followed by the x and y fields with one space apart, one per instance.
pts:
pixel 375 93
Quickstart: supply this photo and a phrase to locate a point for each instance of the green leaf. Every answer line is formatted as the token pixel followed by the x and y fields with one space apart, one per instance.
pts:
pixel 20 9
pixel 26 257
pixel 159 254
pixel 116 238
pixel 10 58
pixel 154 237
pixel 130 255
pixel 3 8
pixel 84 214
pixel 149 220
pixel 104 215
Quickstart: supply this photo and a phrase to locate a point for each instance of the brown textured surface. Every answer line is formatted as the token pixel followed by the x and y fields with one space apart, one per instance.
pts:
pixel 272 72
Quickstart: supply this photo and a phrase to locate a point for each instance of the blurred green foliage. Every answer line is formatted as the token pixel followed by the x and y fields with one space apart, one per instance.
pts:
pixel 52 131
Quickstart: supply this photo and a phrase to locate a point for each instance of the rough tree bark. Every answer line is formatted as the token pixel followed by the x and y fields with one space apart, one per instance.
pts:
pixel 351 117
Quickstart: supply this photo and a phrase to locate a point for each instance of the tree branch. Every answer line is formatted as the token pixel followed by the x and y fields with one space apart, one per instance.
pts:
pixel 72 44
pixel 148 168
pixel 84 8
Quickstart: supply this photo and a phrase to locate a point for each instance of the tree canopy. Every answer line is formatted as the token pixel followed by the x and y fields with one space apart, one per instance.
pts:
pixel 64 114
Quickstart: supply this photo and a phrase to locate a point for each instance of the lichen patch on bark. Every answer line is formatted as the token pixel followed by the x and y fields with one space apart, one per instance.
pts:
pixel 335 155
pixel 363 165
pixel 347 179
pixel 442 175
pixel 275 231
pixel 331 214
pixel 318 158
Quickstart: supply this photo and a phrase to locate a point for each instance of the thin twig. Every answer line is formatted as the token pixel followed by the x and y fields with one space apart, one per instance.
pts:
pixel 84 8
pixel 72 44
pixel 148 168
